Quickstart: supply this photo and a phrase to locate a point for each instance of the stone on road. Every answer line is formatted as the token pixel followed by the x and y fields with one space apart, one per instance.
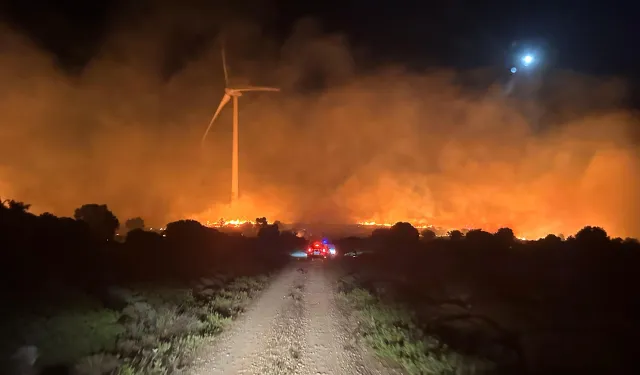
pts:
pixel 294 327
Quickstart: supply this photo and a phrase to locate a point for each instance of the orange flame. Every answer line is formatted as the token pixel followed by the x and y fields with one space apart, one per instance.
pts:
pixel 441 232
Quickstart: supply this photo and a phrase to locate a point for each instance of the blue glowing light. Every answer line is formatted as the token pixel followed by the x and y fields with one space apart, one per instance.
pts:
pixel 527 60
pixel 513 70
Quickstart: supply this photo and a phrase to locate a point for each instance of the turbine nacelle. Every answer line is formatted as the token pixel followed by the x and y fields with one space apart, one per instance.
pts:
pixel 231 92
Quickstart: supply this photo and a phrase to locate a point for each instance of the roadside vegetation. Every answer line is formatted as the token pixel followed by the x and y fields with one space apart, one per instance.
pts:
pixel 395 335
pixel 158 330
pixel 486 303
pixel 79 301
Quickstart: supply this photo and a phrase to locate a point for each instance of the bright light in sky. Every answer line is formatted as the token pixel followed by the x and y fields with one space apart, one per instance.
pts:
pixel 514 69
pixel 527 59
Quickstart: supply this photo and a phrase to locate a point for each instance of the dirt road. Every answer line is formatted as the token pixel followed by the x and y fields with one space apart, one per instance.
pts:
pixel 295 327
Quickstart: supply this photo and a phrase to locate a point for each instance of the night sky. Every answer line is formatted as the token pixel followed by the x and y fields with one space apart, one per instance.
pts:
pixel 595 37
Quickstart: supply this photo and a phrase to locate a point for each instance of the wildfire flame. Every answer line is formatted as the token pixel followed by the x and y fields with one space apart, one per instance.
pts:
pixel 246 208
pixel 440 232
pixel 375 224
pixel 235 223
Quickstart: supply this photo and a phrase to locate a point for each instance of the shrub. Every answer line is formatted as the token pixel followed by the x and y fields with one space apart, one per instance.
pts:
pixel 97 364
pixel 166 358
pixel 69 335
pixel 392 333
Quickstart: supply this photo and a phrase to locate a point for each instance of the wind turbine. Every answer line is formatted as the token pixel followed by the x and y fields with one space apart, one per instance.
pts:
pixel 235 93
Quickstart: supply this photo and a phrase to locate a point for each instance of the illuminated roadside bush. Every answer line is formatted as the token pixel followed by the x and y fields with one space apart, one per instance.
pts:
pixel 67 335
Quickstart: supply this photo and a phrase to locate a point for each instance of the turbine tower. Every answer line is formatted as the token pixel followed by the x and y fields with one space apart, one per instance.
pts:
pixel 235 93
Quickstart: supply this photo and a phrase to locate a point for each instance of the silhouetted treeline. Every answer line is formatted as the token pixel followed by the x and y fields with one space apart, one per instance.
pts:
pixel 562 306
pixel 40 252
pixel 589 257
pixel 588 272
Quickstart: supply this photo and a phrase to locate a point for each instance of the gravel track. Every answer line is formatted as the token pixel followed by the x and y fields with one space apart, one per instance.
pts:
pixel 294 327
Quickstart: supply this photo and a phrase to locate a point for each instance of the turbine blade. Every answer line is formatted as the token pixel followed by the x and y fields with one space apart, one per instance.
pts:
pixel 224 66
pixel 223 102
pixel 257 88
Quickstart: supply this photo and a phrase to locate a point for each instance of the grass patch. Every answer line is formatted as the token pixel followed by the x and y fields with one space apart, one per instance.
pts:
pixel 157 331
pixel 64 336
pixel 249 285
pixel 165 357
pixel 228 303
pixel 394 336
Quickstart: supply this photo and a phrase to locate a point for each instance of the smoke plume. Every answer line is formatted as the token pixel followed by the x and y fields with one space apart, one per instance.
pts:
pixel 337 144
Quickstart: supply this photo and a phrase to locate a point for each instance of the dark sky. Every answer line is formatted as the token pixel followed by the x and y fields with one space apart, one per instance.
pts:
pixel 592 37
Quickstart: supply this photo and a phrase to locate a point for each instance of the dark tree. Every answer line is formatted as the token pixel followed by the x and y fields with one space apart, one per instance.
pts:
pixel 456 235
pixel 379 233
pixel 15 206
pixel 505 236
pixel 142 241
pixel 479 237
pixel 102 223
pixel 261 221
pixel 592 236
pixel 551 240
pixel 48 216
pixel 184 229
pixel 134 223
pixel 405 231
pixel 269 231
pixel 428 235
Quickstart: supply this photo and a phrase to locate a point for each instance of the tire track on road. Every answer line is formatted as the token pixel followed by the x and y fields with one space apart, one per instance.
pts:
pixel 283 349
pixel 238 350
pixel 295 327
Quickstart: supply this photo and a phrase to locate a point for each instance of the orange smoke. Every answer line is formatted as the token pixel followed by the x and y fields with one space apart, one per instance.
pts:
pixel 381 145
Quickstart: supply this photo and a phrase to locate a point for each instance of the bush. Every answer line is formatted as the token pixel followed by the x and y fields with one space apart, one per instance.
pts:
pixel 97 364
pixel 146 325
pixel 69 335
pixel 228 303
pixel 165 358
pixel 163 331
pixel 394 336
